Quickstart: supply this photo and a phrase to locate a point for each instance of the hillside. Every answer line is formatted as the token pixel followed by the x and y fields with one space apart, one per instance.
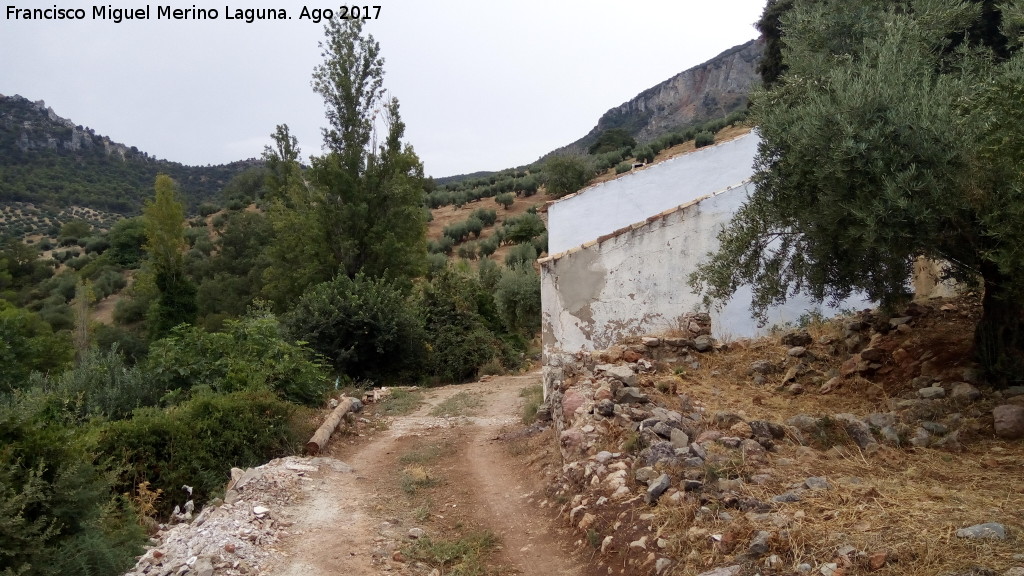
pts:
pixel 48 160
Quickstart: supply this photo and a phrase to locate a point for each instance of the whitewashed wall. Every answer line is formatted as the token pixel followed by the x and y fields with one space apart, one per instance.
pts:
pixel 606 207
pixel 635 282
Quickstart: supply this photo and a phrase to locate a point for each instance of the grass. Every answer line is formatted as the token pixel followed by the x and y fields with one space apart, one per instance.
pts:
pixel 400 402
pixel 534 397
pixel 415 477
pixel 461 404
pixel 465 556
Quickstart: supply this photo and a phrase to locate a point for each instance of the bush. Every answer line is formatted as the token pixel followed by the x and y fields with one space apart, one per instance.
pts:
pixel 251 354
pixel 646 154
pixel 96 245
pixel 517 296
pixel 442 245
pixel 205 209
pixel 467 250
pixel 199 442
pixel 505 200
pixel 522 228
pixel 460 341
pixel 704 138
pixel 623 167
pixel 566 174
pixel 365 327
pixel 102 385
pixel 474 226
pixel 488 245
pixel 59 514
pixel 485 215
pixel 521 254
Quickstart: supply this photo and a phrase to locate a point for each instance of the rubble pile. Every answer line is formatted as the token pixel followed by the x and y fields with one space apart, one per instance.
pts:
pixel 235 536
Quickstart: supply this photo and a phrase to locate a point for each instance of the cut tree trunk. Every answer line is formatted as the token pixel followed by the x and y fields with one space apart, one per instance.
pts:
pixel 323 433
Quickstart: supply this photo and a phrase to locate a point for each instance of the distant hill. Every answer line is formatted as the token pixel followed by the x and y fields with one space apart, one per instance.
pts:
pixel 705 92
pixel 49 160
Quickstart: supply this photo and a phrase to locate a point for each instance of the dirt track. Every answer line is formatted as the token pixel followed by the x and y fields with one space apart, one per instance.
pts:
pixel 357 523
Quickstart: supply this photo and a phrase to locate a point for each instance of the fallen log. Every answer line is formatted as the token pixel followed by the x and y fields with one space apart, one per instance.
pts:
pixel 323 433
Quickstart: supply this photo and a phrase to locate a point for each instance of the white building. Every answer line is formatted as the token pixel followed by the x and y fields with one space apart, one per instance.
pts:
pixel 622 251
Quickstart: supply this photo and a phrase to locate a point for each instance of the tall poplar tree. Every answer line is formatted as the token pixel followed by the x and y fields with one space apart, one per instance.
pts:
pixel 374 189
pixel 164 219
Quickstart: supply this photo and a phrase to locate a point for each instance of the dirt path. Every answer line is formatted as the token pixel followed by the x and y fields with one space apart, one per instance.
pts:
pixel 358 522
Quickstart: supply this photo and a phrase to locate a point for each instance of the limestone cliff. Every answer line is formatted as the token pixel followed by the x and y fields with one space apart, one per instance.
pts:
pixel 707 91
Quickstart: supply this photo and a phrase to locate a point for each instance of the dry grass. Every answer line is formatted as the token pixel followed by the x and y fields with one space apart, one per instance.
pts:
pixel 905 502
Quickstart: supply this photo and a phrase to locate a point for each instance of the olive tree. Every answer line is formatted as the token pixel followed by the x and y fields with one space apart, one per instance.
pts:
pixel 881 143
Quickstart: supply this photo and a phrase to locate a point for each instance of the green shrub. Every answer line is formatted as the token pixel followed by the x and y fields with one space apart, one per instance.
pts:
pixel 435 263
pixel 488 245
pixel 522 228
pixel 704 138
pixel 205 209
pixel 467 250
pixel 474 226
pixel 521 254
pixel 58 513
pixel 485 215
pixel 456 311
pixel 442 245
pixel 623 167
pixel 566 174
pixel 646 154
pixel 517 296
pixel 250 354
pixel 198 442
pixel 102 384
pixel 505 200
pixel 28 343
pixel 365 327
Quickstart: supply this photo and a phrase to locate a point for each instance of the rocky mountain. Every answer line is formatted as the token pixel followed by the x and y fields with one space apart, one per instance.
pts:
pixel 707 91
pixel 47 159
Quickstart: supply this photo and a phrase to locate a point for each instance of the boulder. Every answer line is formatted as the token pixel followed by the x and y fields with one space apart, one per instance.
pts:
pixel 1009 421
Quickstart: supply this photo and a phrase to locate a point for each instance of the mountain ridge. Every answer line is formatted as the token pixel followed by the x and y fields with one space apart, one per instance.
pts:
pixel 700 93
pixel 48 159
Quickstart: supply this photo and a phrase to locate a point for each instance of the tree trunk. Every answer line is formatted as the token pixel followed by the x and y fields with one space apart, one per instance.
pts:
pixel 323 433
pixel 999 336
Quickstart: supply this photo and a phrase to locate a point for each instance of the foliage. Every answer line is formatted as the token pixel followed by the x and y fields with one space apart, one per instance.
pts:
pixel 373 191
pixel 517 296
pixel 198 442
pixel 611 140
pixel 251 354
pixel 566 174
pixel 27 344
pixel 521 255
pixel 233 276
pixel 506 199
pixel 459 340
pixel 522 228
pixel 623 167
pixel 57 515
pixel 879 145
pixel 464 556
pixel 365 327
pixel 102 384
pixel 165 244
pixel 703 138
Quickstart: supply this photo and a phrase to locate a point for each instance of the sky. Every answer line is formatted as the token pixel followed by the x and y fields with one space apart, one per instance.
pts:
pixel 482 85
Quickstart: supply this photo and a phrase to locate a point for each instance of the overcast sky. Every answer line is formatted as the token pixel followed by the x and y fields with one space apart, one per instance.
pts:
pixel 482 85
